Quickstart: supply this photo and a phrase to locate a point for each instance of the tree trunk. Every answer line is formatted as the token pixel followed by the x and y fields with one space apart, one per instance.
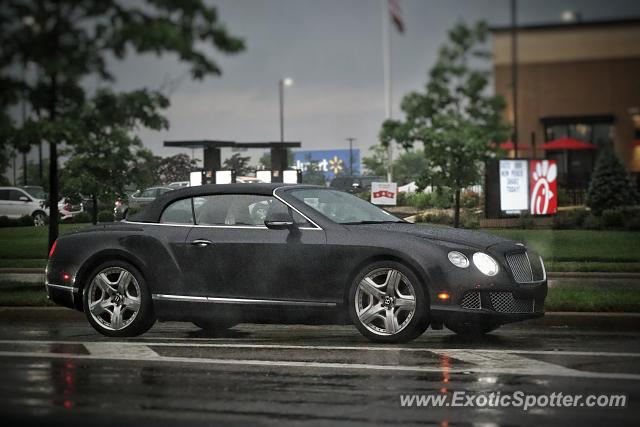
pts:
pixel 456 209
pixel 94 211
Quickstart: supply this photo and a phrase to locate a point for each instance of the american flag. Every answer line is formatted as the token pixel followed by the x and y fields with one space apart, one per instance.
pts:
pixel 396 14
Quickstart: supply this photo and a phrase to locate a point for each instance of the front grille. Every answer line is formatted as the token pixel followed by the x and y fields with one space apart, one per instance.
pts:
pixel 471 300
pixel 520 267
pixel 504 302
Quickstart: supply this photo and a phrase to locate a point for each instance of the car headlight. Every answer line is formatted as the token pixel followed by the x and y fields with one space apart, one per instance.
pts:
pixel 485 264
pixel 458 259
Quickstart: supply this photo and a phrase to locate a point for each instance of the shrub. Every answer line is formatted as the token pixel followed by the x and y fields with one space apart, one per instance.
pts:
pixel 573 218
pixel 613 218
pixel 440 218
pixel 25 221
pixel 633 223
pixel 592 222
pixel 470 200
pixel 471 222
pixel 82 218
pixel 105 216
pixel 5 221
pixel 610 185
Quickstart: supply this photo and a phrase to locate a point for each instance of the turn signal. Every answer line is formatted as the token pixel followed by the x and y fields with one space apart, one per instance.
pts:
pixel 443 296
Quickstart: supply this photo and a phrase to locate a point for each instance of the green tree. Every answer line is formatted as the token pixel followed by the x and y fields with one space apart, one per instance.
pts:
pixel 103 148
pixel 375 164
pixel 454 117
pixel 610 186
pixel 409 166
pixel 239 163
pixel 70 40
pixel 176 168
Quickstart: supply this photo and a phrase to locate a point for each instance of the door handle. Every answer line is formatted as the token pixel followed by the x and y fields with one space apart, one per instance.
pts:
pixel 201 242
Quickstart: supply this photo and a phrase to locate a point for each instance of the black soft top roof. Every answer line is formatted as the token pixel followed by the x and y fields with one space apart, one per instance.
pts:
pixel 153 210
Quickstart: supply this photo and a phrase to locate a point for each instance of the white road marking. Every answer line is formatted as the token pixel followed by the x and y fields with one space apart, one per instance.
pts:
pixel 488 361
pixel 130 352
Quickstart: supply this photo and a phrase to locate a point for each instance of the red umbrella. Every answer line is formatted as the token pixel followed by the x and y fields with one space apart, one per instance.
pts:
pixel 568 144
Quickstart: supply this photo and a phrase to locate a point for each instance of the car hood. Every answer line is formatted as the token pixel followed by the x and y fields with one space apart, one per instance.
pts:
pixel 444 234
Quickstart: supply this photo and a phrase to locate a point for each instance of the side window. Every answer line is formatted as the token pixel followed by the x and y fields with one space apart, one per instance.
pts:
pixel 232 209
pixel 240 210
pixel 151 192
pixel 161 191
pixel 15 195
pixel 178 212
pixel 4 194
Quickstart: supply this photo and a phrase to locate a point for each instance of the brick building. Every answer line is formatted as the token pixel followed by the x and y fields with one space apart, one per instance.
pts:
pixel 577 81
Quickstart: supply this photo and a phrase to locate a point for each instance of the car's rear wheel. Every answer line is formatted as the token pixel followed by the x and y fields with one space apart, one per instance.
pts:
pixel 469 328
pixel 116 300
pixel 387 303
pixel 39 219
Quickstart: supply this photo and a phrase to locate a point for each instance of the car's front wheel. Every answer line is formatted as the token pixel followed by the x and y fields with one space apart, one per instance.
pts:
pixel 116 300
pixel 387 303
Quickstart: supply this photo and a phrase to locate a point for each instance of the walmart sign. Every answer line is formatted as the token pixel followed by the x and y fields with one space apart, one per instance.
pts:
pixel 329 162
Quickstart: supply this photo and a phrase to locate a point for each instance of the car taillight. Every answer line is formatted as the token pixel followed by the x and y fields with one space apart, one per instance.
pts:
pixel 53 249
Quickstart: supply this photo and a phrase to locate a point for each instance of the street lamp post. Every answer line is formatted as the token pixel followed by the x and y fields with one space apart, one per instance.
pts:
pixel 351 139
pixel 283 82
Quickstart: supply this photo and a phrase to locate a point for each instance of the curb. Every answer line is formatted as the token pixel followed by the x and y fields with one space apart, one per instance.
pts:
pixel 11 270
pixel 38 314
pixel 591 320
pixel 592 275
pixel 553 319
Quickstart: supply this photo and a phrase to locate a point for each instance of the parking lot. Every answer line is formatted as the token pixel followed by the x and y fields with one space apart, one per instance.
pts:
pixel 60 370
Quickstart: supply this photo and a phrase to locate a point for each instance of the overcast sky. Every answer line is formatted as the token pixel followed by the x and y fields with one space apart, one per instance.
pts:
pixel 332 50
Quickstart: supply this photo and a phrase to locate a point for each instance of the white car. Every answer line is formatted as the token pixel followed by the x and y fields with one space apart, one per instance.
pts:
pixel 16 202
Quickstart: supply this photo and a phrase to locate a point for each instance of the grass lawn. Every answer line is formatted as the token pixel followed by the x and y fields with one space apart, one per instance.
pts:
pixel 19 294
pixel 20 243
pixel 581 250
pixel 585 297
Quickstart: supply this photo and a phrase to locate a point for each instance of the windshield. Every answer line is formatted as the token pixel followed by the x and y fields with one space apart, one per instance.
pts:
pixel 35 192
pixel 343 208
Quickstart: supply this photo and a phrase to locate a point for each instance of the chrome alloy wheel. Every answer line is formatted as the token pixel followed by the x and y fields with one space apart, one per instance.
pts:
pixel 114 298
pixel 385 301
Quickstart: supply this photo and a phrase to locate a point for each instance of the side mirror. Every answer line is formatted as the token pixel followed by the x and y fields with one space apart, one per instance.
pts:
pixel 23 198
pixel 279 221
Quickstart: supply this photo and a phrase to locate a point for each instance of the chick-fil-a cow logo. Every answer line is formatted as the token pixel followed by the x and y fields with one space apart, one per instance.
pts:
pixel 543 184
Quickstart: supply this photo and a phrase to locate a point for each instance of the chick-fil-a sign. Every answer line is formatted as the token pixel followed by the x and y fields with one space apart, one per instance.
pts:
pixel 384 193
pixel 543 185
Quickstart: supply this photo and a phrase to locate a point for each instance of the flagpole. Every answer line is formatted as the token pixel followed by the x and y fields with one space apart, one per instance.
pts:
pixel 386 59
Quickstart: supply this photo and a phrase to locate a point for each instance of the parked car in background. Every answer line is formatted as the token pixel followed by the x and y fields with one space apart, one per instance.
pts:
pixel 16 202
pixel 178 184
pixel 137 200
pixel 355 184
pixel 69 208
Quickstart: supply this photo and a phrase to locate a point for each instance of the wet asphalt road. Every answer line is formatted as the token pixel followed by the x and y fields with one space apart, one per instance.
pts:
pixel 62 372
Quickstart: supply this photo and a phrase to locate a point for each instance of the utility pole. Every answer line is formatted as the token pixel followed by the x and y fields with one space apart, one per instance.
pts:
pixel 351 139
pixel 514 72
pixel 386 60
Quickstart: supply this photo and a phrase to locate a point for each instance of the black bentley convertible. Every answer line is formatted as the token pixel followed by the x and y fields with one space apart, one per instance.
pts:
pixel 216 255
